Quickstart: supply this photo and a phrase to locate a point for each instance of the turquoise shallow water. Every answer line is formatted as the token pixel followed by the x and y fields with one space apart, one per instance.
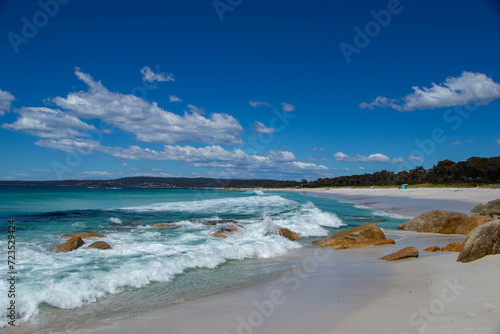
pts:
pixel 151 267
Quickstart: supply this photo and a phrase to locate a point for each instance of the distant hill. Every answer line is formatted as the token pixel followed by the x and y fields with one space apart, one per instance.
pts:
pixel 160 182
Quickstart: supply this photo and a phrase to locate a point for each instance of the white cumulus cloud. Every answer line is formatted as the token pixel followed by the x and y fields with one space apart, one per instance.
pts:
pixel 48 123
pixel 415 158
pixel 468 88
pixel 217 157
pixel 256 104
pixel 6 99
pixel 376 157
pixel 85 146
pixel 281 156
pixel 196 110
pixel 150 76
pixel 146 120
pixel 261 128
pixel 318 149
pixel 97 173
pixel 173 98
pixel 287 107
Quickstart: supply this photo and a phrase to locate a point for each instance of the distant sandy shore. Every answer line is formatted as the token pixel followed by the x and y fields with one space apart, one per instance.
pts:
pixel 468 195
pixel 350 291
pixel 409 202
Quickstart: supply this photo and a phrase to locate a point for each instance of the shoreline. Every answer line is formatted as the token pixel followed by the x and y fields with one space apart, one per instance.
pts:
pixel 342 292
pixel 337 291
pixel 407 202
pixel 466 195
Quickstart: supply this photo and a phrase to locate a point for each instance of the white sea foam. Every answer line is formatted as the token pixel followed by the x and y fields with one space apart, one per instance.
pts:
pixel 78 224
pixel 308 221
pixel 73 279
pixel 238 205
pixel 115 220
pixel 382 213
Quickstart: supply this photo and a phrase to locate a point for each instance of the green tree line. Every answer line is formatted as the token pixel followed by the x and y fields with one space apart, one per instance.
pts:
pixel 474 171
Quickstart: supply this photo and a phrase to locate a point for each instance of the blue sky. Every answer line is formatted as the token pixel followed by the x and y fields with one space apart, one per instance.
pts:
pixel 245 89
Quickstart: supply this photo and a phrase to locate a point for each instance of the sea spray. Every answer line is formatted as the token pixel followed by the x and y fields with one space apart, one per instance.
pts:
pixel 148 254
pixel 160 264
pixel 115 220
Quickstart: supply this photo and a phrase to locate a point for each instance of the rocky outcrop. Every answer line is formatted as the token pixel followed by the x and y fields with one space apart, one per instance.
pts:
pixel 404 253
pixel 483 240
pixel 471 223
pixel 432 249
pixel 134 223
pixel 361 236
pixel 226 231
pixel 436 221
pixel 453 247
pixel 491 209
pixel 219 221
pixel 164 225
pixel 70 245
pixel 450 225
pixel 477 209
pixel 284 232
pixel 126 231
pixel 83 235
pixel 100 245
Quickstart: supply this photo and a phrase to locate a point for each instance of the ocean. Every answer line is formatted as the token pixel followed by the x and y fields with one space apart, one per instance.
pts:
pixel 150 267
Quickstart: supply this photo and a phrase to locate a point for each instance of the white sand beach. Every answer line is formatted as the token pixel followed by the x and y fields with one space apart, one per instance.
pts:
pixel 350 291
pixel 467 195
pixel 409 202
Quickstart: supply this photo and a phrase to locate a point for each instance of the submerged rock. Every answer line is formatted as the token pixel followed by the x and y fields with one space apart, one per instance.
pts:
pixel 134 223
pixel 219 221
pixel 436 221
pixel 100 245
pixel 165 225
pixel 404 253
pixel 483 240
pixel 83 235
pixel 126 231
pixel 70 245
pixel 226 231
pixel 361 236
pixel 453 247
pixel 284 232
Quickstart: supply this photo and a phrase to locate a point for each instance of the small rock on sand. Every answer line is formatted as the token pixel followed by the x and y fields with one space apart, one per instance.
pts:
pixel 404 253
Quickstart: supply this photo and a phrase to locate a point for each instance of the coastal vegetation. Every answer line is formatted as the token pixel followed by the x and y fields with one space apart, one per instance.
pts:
pixel 472 172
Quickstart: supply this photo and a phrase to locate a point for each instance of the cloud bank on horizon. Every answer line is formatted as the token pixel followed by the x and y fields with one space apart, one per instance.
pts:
pixel 376 157
pixel 468 88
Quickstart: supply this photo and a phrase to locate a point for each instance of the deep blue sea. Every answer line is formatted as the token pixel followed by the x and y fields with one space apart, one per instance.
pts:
pixel 151 267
